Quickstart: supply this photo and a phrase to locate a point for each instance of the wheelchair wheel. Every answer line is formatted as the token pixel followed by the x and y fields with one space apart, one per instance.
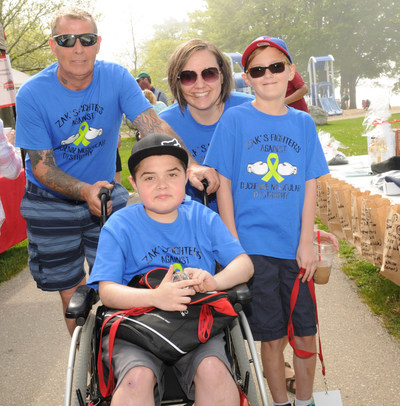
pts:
pixel 84 362
pixel 241 364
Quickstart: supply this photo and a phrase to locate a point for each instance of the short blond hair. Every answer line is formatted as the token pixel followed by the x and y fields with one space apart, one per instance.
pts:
pixel 72 13
pixel 150 96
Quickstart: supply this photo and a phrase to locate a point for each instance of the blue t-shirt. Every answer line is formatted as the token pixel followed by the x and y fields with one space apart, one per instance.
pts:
pixel 131 243
pixel 268 159
pixel 82 126
pixel 197 136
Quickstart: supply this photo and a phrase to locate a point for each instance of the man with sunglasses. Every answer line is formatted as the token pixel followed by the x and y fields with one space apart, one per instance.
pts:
pixel 68 121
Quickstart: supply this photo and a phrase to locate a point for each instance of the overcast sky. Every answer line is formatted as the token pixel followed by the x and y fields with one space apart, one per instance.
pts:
pixel 117 15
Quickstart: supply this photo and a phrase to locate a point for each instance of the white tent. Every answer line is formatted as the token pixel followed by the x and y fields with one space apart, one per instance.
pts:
pixel 19 78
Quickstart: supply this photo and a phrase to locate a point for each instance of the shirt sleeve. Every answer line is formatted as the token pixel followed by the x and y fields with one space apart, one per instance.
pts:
pixel 10 160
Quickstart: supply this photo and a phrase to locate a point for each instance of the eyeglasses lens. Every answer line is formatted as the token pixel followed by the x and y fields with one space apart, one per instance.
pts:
pixel 69 40
pixel 259 71
pixel 189 77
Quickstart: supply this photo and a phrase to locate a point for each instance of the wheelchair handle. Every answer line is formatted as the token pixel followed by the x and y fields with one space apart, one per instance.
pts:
pixel 104 196
pixel 204 192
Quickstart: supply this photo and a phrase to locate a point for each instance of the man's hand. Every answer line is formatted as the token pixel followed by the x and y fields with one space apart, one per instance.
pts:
pixel 197 173
pixel 90 193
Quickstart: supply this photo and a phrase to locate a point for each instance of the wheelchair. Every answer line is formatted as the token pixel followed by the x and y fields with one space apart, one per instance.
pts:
pixel 82 388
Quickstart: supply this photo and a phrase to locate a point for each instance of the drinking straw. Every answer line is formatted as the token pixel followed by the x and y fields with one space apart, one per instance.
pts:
pixel 319 246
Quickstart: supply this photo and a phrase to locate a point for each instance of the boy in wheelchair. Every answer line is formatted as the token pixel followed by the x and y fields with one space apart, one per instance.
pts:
pixel 165 229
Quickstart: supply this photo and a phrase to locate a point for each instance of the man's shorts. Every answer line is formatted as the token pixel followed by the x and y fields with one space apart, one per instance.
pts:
pixel 62 234
pixel 127 356
pixel 269 311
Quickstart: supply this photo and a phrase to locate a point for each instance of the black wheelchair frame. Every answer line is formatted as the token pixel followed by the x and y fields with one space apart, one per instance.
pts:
pixel 82 378
pixel 82 388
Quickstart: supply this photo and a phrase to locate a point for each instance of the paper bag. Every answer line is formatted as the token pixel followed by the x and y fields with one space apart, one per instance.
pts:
pixel 334 224
pixel 391 255
pixel 322 205
pixel 356 198
pixel 373 220
pixel 343 202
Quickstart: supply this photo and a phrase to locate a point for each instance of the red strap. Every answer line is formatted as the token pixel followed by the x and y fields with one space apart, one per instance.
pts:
pixel 107 390
pixel 293 300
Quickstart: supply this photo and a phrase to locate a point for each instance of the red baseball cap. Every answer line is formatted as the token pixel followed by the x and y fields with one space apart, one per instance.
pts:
pixel 265 42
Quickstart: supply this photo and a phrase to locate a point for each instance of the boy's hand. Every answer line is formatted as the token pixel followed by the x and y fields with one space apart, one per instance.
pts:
pixel 174 296
pixel 306 259
pixel 206 282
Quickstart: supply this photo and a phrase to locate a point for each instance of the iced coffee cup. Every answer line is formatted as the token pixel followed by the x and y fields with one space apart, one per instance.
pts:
pixel 325 251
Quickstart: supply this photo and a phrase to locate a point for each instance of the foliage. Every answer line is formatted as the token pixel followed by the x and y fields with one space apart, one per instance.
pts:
pixel 362 35
pixel 156 51
pixel 27 27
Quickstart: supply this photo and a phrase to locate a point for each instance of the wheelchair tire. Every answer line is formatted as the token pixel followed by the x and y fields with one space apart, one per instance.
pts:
pixel 81 376
pixel 242 367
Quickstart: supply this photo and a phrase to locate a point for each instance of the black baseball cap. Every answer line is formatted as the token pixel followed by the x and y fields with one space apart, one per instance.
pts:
pixel 156 144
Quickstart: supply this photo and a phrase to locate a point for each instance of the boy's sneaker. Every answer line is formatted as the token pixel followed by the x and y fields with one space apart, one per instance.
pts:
pixel 294 404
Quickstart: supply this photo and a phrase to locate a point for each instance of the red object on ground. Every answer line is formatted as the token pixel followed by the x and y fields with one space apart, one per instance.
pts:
pixel 13 229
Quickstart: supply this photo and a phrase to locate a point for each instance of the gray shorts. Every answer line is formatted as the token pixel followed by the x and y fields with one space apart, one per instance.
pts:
pixel 62 234
pixel 127 356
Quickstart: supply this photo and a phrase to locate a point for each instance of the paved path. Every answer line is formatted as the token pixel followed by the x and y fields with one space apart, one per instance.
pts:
pixel 362 360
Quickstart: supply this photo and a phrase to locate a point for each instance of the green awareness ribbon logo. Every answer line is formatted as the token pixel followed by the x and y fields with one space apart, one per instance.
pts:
pixel 272 169
pixel 83 129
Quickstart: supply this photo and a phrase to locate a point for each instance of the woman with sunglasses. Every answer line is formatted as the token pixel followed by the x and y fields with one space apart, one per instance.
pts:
pixel 201 82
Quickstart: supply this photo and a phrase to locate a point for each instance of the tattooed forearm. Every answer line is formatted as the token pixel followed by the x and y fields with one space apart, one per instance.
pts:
pixel 46 171
pixel 148 122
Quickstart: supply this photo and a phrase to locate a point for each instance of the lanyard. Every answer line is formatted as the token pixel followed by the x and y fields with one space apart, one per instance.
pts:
pixel 293 300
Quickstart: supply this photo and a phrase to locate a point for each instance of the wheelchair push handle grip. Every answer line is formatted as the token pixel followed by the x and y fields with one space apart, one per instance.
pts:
pixel 104 196
pixel 204 192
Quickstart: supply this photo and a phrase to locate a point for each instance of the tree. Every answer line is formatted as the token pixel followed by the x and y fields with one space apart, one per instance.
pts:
pixel 155 52
pixel 362 35
pixel 27 27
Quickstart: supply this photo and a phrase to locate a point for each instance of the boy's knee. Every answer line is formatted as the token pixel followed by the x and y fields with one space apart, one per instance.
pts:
pixel 211 369
pixel 139 379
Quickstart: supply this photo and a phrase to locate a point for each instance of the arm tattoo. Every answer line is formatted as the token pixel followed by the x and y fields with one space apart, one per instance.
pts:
pixel 148 122
pixel 46 171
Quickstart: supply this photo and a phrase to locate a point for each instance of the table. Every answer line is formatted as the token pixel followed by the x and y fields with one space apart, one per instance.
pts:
pixel 13 229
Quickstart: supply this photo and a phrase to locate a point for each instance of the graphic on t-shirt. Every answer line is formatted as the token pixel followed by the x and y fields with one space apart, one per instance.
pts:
pixel 272 168
pixel 84 135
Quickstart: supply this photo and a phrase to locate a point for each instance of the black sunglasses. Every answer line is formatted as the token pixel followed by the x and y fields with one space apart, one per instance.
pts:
pixel 259 71
pixel 69 40
pixel 189 77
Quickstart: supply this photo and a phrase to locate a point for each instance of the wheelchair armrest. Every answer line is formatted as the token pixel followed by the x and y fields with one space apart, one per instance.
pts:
pixel 80 304
pixel 239 295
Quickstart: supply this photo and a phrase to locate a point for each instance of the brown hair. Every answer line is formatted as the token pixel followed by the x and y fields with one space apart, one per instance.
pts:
pixel 178 60
pixel 73 13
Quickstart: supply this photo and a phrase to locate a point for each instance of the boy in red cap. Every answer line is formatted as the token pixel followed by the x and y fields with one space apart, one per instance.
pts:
pixel 268 156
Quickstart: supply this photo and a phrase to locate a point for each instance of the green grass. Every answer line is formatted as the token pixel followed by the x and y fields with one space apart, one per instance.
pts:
pixel 381 295
pixel 125 153
pixel 349 133
pixel 13 261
